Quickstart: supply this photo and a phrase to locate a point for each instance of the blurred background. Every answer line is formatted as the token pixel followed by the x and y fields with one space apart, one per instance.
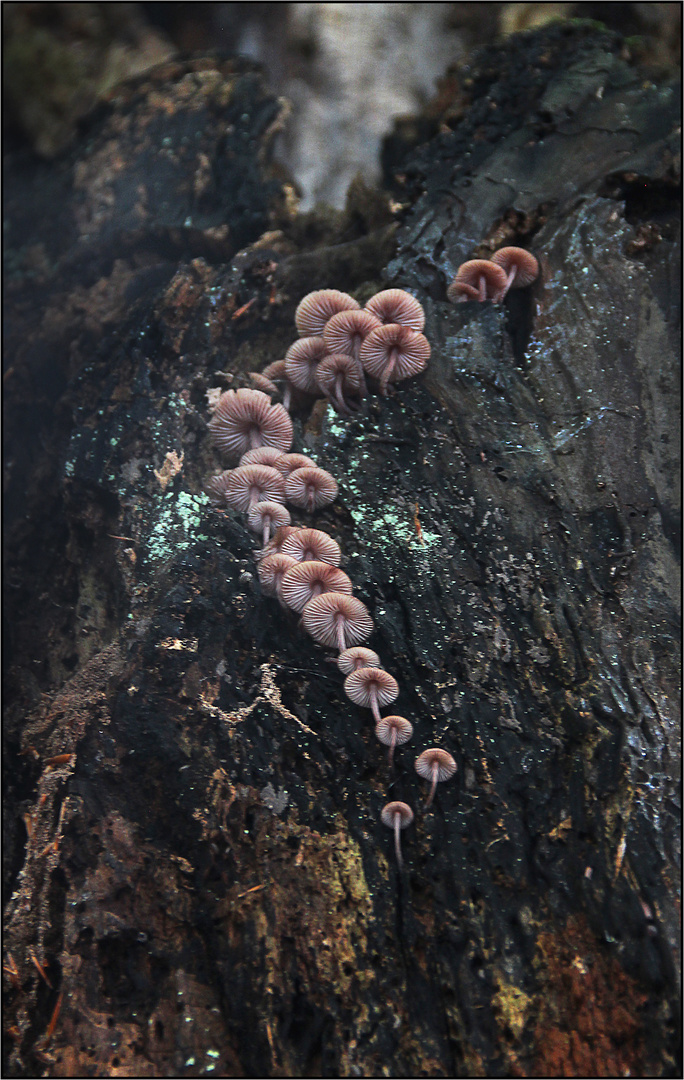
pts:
pixel 352 73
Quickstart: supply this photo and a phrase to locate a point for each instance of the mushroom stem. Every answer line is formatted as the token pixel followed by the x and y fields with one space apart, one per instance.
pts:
pixel 393 743
pixel 255 439
pixel 433 788
pixel 287 396
pixel 363 388
pixel 397 844
pixel 509 281
pixel 374 703
pixel 387 373
pixel 482 291
pixel 339 399
pixel 339 626
pixel 267 530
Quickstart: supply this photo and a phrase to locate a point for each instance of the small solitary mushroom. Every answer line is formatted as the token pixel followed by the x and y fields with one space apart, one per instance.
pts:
pixel 337 620
pixel 244 419
pixel 301 361
pixel 310 488
pixel 371 687
pixel 358 657
pixel 477 279
pixel 519 265
pixel 267 515
pixel 397 306
pixel 249 484
pixel 305 545
pixel 305 580
pixel 339 377
pixel 435 765
pixel 397 815
pixel 314 310
pixel 393 731
pixel 392 353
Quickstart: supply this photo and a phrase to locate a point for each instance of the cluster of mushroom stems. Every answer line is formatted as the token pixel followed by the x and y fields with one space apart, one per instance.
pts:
pixel 341 348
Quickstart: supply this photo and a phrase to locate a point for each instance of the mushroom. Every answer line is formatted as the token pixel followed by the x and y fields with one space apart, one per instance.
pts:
pixel 371 687
pixel 393 731
pixel 249 484
pixel 289 462
pixel 271 570
pixel 275 373
pixel 263 516
pixel 394 352
pixel 478 279
pixel 519 265
pixel 305 580
pixel 276 542
pixel 397 815
pixel 396 306
pixel 314 310
pixel 337 376
pixel 310 488
pixel 435 765
pixel 263 383
pixel 244 419
pixel 301 361
pixel 215 487
pixel 358 657
pixel 305 545
pixel 337 620
pixel 347 331
pixel 263 455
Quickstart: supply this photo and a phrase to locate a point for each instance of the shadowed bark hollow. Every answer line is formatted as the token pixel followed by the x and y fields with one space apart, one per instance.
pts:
pixel 193 843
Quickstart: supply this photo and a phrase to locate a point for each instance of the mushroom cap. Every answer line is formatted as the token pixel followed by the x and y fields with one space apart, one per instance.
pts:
pixel 411 350
pixel 276 370
pixel 344 332
pixel 389 811
pixel 301 361
pixel 320 618
pixel 245 418
pixel 402 728
pixel 310 485
pixel 314 310
pixel 215 487
pixel 253 483
pixel 305 580
pixel 278 514
pixel 306 545
pixel 358 686
pixel 426 761
pixel 276 542
pixel 335 364
pixel 396 306
pixel 271 570
pixel 289 462
pixel 458 291
pixel 263 455
pixel 525 264
pixel 469 273
pixel 263 383
pixel 358 657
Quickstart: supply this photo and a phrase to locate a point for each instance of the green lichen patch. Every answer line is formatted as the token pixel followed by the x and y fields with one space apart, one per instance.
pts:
pixel 179 525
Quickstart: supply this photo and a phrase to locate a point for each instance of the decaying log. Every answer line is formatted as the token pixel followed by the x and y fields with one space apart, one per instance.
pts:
pixel 200 883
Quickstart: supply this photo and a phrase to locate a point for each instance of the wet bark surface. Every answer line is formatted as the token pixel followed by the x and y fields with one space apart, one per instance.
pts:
pixel 194 851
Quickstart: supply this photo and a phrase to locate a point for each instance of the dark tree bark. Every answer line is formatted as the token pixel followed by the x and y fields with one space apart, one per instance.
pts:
pixel 193 838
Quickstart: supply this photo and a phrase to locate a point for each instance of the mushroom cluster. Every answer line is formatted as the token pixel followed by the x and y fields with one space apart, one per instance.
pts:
pixel 490 279
pixel 339 345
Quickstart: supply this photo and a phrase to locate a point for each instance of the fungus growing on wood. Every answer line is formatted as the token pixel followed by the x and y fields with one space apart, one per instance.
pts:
pixel 253 483
pixel 435 765
pixel 263 455
pixel 276 542
pixel 314 310
pixel 301 361
pixel 310 488
pixel 276 374
pixel 337 620
pixel 267 515
pixel 397 307
pixel 263 383
pixel 244 419
pixel 519 265
pixel 478 279
pixel 305 545
pixel 215 487
pixel 271 570
pixel 305 580
pixel 392 353
pixel 393 731
pixel 371 687
pixel 338 376
pixel 347 331
pixel 358 657
pixel 289 462
pixel 397 816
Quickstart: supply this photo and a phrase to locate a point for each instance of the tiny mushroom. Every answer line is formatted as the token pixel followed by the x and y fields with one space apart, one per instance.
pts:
pixel 263 383
pixel 289 462
pixel 301 361
pixel 215 487
pixel 393 731
pixel 347 331
pixel 314 310
pixel 358 657
pixel 275 373
pixel 392 353
pixel 263 455
pixel 371 687
pixel 519 265
pixel 478 279
pixel 271 570
pixel 263 516
pixel 397 815
pixel 337 620
pixel 397 306
pixel 249 484
pixel 244 419
pixel 305 545
pixel 435 765
pixel 310 488
pixel 305 580
pixel 339 376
